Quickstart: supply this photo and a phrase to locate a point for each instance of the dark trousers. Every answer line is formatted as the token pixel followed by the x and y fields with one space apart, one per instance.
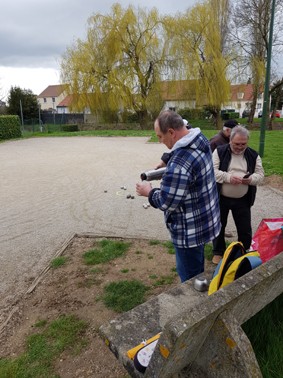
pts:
pixel 241 212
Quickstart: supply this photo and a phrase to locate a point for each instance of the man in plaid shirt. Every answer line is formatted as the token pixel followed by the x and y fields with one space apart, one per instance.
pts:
pixel 187 194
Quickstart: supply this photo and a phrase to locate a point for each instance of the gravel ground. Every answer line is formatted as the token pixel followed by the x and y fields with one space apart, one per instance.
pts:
pixel 52 188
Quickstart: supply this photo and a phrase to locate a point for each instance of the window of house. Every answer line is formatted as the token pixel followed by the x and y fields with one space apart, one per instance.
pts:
pixel 240 95
pixel 53 99
pixel 172 108
pixel 44 99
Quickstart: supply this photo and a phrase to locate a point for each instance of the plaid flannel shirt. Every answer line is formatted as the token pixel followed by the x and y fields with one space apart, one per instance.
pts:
pixel 188 193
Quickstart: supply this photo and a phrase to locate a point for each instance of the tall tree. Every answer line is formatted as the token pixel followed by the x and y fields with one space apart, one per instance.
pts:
pixel 118 66
pixel 252 36
pixel 22 99
pixel 198 40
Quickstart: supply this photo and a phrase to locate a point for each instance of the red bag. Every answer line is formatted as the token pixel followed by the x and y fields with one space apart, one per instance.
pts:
pixel 268 239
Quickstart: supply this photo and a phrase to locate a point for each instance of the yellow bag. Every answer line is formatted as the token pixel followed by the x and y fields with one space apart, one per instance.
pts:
pixel 235 263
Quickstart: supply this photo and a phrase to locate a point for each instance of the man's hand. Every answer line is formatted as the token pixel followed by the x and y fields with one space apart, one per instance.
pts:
pixel 236 180
pixel 143 188
pixel 161 164
pixel 246 181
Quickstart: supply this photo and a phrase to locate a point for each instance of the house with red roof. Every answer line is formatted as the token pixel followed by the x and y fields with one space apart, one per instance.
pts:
pixel 64 105
pixel 242 98
pixel 51 97
pixel 178 94
pixel 181 94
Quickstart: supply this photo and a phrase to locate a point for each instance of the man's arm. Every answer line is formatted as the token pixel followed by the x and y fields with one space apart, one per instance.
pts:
pixel 258 176
pixel 220 176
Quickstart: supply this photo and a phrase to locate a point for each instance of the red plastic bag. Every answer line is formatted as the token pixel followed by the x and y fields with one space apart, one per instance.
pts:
pixel 268 239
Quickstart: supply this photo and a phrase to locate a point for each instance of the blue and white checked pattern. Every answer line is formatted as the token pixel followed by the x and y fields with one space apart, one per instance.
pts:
pixel 188 195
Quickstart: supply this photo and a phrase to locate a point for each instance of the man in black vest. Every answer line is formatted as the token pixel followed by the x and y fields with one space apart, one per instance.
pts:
pixel 223 137
pixel 238 170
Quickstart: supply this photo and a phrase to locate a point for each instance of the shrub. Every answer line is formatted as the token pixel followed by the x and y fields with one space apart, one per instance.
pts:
pixel 225 115
pixel 191 114
pixel 10 127
pixel 70 128
pixel 234 115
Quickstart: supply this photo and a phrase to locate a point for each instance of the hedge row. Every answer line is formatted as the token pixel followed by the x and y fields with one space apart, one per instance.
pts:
pixel 230 115
pixel 70 127
pixel 10 127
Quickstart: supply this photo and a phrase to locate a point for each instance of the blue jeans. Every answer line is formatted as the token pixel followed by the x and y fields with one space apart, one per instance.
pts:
pixel 189 261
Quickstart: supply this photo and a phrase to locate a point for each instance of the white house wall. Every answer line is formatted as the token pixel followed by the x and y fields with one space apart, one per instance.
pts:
pixel 179 105
pixel 48 103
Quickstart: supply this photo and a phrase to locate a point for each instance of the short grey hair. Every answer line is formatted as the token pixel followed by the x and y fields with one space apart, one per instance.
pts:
pixel 169 119
pixel 239 130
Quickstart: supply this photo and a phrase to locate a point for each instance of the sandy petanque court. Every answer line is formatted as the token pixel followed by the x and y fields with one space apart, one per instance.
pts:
pixel 52 188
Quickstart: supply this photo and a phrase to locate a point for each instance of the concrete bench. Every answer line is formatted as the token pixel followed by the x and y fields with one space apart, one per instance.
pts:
pixel 201 334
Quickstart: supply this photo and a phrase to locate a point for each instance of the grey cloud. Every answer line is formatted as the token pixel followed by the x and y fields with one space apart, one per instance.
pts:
pixel 35 33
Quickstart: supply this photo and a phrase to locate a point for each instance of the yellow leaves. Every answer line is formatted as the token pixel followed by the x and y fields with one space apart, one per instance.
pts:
pixel 258 69
pixel 128 51
pixel 119 62
pixel 197 36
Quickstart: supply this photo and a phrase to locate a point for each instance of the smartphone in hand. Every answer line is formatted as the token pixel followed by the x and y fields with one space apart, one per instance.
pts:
pixel 247 175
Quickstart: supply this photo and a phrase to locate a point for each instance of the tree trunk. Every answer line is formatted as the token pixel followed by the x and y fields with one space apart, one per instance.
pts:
pixel 143 119
pixel 219 122
pixel 253 106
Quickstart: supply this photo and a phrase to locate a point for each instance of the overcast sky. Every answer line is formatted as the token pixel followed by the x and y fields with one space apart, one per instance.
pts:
pixel 35 34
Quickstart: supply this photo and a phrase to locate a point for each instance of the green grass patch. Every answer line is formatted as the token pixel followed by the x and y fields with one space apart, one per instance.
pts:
pixel 55 132
pixel 265 332
pixel 124 295
pixel 41 323
pixel 107 250
pixel 165 280
pixel 43 348
pixel 153 276
pixel 124 270
pixel 208 254
pixel 58 261
pixel 154 242
pixel 170 247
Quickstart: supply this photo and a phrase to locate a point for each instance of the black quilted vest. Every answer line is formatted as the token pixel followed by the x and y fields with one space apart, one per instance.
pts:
pixel 224 153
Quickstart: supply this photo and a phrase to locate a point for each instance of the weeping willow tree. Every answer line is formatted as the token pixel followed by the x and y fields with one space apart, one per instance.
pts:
pixel 197 40
pixel 118 66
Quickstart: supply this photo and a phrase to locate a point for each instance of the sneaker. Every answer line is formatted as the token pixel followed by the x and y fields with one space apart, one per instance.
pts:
pixel 216 259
